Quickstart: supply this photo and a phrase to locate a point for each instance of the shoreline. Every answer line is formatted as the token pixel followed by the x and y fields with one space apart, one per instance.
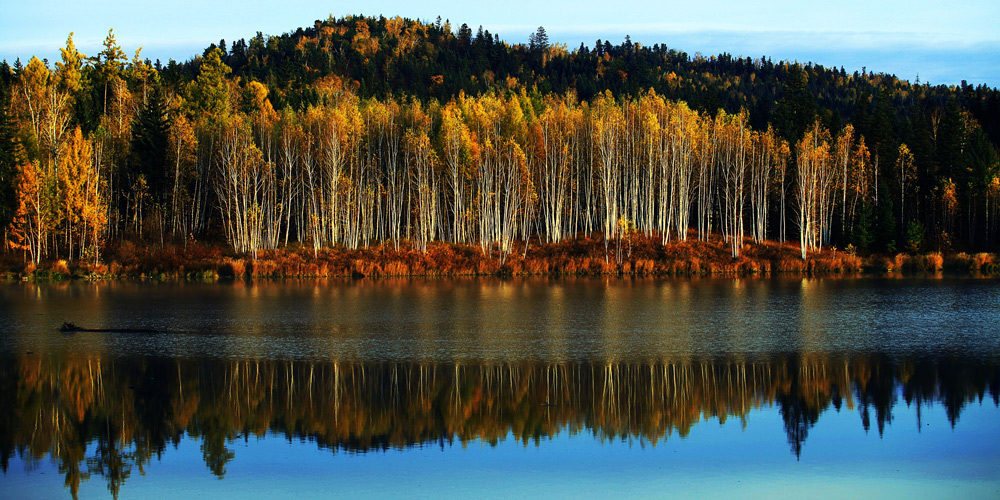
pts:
pixel 640 256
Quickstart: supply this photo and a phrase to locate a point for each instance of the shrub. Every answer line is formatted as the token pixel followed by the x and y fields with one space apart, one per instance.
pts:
pixel 900 262
pixel 981 261
pixel 932 262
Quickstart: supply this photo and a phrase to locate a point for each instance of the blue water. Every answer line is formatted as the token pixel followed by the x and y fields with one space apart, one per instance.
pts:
pixel 783 388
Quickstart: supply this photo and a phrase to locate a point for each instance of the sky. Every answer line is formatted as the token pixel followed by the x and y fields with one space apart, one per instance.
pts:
pixel 939 42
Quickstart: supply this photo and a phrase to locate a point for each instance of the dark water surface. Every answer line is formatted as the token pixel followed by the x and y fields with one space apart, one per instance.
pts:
pixel 428 388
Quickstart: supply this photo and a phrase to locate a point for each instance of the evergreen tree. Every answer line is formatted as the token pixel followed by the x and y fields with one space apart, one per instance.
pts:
pixel 881 134
pixel 914 236
pixel 861 236
pixel 108 65
pixel 150 139
pixel 539 40
pixel 9 159
pixel 886 222
pixel 209 93
pixel 796 109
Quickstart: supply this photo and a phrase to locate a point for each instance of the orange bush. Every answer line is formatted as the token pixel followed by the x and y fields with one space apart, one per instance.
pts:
pixel 932 262
pixel 981 261
pixel 581 256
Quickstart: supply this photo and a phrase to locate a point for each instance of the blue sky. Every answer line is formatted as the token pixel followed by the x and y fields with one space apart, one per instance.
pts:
pixel 943 42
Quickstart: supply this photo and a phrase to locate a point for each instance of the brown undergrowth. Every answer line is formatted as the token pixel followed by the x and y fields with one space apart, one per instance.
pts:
pixel 637 255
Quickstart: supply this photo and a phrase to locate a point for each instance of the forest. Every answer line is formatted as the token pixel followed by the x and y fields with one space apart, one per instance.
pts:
pixel 362 133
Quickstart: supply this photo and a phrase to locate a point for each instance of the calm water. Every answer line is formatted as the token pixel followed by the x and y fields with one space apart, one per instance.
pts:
pixel 554 388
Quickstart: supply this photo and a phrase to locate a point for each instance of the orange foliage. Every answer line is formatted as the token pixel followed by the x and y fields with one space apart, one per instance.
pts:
pixel 579 256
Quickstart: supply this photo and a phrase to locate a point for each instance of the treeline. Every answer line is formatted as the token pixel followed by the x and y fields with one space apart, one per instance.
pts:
pixel 297 144
pixel 109 418
pixel 396 56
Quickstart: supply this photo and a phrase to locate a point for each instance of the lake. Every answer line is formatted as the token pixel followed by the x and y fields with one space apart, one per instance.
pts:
pixel 728 388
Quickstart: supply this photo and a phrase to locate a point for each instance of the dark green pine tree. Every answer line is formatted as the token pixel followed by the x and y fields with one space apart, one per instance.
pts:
pixel 881 134
pixel 9 159
pixel 150 138
pixel 862 235
pixel 885 223
pixel 539 40
pixel 796 109
pixel 949 144
pixel 980 160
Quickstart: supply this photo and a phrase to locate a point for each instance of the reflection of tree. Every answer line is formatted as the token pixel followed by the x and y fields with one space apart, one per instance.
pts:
pixel 876 389
pixel 72 453
pixel 9 415
pixel 960 383
pixel 798 420
pixel 919 380
pixel 215 434
pixel 152 408
pixel 111 461
pixel 132 409
pixel 797 409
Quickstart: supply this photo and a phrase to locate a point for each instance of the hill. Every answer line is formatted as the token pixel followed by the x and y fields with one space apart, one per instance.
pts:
pixel 367 131
pixel 395 56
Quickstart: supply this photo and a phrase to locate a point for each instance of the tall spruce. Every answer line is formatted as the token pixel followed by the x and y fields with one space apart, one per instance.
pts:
pixel 9 158
pixel 150 140
pixel 797 108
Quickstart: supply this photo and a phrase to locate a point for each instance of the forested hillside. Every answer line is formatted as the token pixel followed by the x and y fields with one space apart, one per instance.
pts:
pixel 362 131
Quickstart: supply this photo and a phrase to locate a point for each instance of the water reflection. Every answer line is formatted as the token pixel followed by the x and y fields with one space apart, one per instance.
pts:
pixel 369 366
pixel 523 320
pixel 107 418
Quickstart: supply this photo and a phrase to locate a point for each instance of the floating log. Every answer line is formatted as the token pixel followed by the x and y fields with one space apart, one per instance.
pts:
pixel 72 328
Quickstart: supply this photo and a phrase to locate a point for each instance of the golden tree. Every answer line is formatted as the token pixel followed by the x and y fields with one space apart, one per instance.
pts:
pixel 34 216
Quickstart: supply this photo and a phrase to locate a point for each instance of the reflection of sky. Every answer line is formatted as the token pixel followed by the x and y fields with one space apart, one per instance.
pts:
pixel 624 320
pixel 839 460
pixel 945 42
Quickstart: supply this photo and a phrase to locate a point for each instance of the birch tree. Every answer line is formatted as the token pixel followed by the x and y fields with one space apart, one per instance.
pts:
pixel 812 184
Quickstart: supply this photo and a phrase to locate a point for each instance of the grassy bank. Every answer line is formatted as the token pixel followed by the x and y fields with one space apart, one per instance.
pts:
pixel 582 256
